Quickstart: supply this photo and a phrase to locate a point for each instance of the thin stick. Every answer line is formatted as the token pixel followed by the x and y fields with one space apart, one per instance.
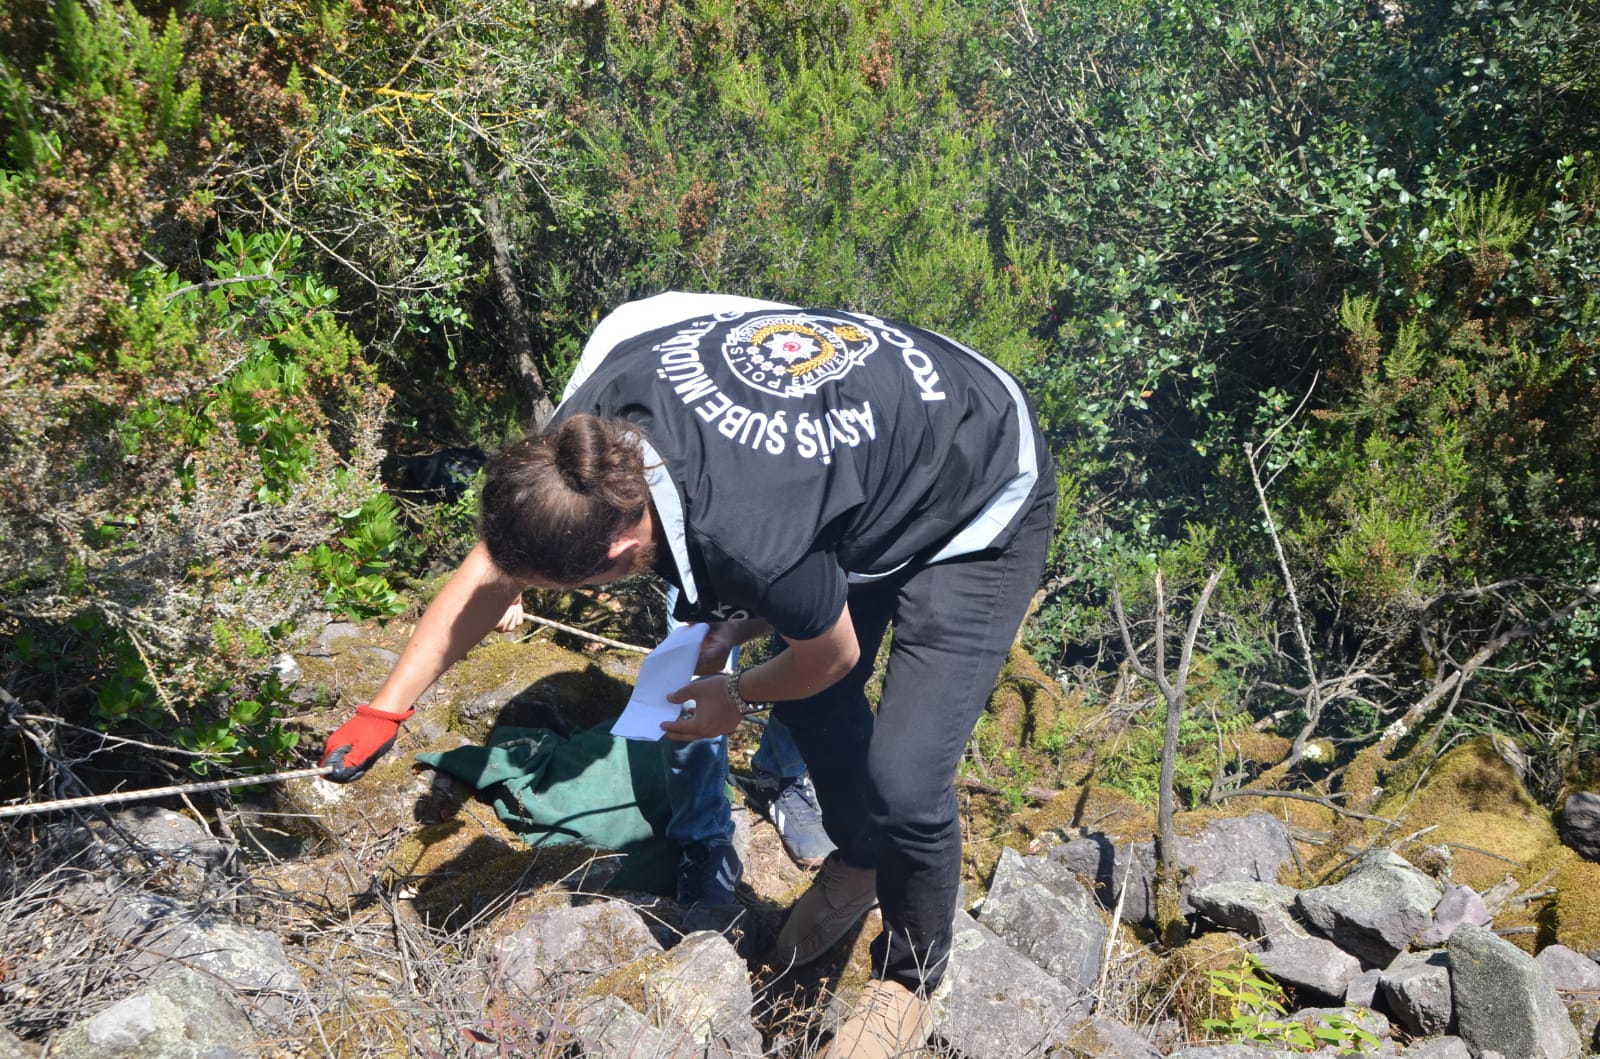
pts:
pixel 586 635
pixel 119 797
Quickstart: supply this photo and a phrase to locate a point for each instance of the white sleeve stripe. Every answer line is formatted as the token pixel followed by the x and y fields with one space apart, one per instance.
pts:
pixel 986 527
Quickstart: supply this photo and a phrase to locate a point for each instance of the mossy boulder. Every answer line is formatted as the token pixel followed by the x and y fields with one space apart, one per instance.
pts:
pixel 1090 808
pixel 1026 703
pixel 1567 913
pixel 455 869
pixel 536 684
pixel 1483 821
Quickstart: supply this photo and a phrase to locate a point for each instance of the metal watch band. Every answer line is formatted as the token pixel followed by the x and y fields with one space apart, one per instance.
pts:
pixel 745 708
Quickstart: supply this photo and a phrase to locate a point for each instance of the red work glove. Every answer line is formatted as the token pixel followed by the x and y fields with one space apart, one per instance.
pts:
pixel 360 741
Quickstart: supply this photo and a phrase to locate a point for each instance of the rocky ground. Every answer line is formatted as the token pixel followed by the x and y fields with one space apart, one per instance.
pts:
pixel 401 916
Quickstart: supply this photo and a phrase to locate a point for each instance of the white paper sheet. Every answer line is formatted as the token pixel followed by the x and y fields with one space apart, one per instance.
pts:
pixel 666 669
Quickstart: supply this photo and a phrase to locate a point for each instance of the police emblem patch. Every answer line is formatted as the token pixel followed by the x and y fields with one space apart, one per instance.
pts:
pixel 792 354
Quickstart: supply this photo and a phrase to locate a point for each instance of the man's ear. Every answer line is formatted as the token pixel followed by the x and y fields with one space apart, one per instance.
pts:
pixel 624 545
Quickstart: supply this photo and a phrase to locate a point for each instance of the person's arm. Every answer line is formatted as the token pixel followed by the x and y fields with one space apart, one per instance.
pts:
pixel 477 597
pixel 722 637
pixel 807 667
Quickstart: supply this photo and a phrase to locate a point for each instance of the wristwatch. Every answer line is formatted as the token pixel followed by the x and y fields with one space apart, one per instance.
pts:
pixel 745 708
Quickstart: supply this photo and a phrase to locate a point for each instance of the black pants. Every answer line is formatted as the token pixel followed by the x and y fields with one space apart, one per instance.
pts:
pixel 886 782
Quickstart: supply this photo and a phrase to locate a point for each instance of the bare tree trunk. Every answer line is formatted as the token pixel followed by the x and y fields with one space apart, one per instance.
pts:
pixel 502 272
pixel 1174 689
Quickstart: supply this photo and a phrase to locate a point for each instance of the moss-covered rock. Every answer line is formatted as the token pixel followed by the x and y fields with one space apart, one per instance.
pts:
pixel 1092 808
pixel 1568 913
pixel 536 684
pixel 1481 817
pixel 1026 702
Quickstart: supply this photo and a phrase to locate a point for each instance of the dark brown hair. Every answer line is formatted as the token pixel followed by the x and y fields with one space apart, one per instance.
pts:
pixel 552 504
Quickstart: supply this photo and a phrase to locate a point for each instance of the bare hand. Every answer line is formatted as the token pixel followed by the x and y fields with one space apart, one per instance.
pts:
pixel 721 638
pixel 714 712
pixel 511 620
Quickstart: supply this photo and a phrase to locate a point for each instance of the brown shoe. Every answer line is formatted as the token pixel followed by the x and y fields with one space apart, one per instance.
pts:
pixel 888 1020
pixel 839 896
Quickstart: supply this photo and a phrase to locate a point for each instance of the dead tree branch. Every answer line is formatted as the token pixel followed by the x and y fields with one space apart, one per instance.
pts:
pixel 1585 596
pixel 1174 689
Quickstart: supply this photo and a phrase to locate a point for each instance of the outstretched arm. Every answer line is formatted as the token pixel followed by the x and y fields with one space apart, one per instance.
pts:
pixel 471 603
pixel 463 613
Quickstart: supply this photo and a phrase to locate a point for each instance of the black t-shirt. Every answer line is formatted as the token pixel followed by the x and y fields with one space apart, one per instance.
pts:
pixel 795 450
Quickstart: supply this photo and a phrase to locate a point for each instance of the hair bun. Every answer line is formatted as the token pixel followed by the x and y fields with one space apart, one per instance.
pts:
pixel 580 455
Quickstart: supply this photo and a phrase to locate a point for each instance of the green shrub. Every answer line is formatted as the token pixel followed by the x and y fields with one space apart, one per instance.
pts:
pixel 1257 1014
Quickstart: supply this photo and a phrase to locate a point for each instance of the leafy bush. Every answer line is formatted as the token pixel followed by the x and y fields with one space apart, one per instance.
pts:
pixel 171 432
pixel 1357 236
pixel 817 153
pixel 1257 1014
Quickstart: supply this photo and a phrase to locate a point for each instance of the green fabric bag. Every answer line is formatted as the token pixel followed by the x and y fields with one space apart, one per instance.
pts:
pixel 592 789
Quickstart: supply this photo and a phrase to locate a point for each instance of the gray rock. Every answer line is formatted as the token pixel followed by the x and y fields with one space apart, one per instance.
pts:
pixel 1568 970
pixel 1042 911
pixel 1460 904
pixel 1106 1038
pixel 1312 968
pixel 586 940
pixel 700 989
pixel 1375 910
pixel 1439 1048
pixel 287 669
pixel 14 1047
pixel 1415 990
pixel 1239 849
pixel 166 847
pixel 1362 990
pixel 1580 823
pixel 1585 1016
pixel 1254 909
pixel 610 1029
pixel 329 636
pixel 1576 978
pixel 1503 1002
pixel 161 934
pixel 1233 1051
pixel 344 638
pixel 186 1015
pixel 996 1003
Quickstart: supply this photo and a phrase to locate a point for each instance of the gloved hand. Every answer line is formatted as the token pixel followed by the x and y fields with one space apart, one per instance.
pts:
pixel 360 741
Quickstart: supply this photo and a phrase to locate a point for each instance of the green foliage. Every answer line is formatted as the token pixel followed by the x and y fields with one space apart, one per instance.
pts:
pixel 421 114
pixel 133 692
pixel 250 733
pixel 184 406
pixel 1008 769
pixel 1362 244
pixel 1133 765
pixel 356 573
pixel 438 533
pixel 1394 505
pixel 1257 1014
pixel 819 154
pixel 1360 238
